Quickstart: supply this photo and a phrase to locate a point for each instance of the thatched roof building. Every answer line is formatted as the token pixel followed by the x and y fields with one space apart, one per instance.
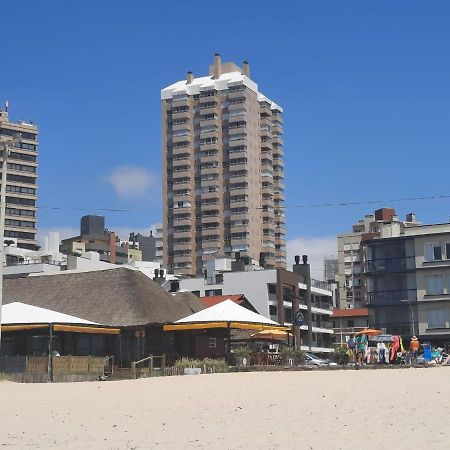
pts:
pixel 118 297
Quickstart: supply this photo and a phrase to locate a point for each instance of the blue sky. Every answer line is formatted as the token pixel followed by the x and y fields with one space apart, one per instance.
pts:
pixel 364 86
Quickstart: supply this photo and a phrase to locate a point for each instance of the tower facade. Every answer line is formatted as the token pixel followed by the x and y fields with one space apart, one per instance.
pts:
pixel 223 172
pixel 21 185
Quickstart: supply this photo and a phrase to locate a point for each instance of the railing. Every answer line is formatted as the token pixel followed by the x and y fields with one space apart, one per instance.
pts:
pixel 320 284
pixel 392 297
pixel 107 364
pixel 151 367
pixel 390 265
pixel 35 261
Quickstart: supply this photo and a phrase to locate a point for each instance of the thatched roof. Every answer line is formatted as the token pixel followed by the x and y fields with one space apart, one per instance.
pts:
pixel 118 297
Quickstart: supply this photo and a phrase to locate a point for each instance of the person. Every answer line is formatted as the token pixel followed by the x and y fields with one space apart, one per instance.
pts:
pixel 414 348
pixel 361 343
pixel 351 344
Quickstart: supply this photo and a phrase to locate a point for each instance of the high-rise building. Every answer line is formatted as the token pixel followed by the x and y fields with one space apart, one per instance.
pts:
pixel 352 291
pixel 21 187
pixel 223 172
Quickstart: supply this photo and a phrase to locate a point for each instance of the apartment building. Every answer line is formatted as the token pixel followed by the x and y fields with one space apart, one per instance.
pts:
pixel 407 271
pixel 223 171
pixel 94 237
pixel 21 187
pixel 274 293
pixel 352 291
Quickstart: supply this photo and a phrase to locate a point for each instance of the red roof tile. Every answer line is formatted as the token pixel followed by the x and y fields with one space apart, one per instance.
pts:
pixel 350 312
pixel 215 299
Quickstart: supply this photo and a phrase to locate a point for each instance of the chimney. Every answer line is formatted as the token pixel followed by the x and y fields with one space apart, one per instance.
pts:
pixel 411 217
pixel 189 78
pixel 112 247
pixel 246 69
pixel 217 65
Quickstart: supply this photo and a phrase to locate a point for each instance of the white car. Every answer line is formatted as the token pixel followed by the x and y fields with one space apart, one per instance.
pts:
pixel 312 360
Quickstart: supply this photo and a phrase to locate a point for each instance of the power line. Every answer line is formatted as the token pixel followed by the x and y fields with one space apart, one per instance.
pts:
pixel 306 205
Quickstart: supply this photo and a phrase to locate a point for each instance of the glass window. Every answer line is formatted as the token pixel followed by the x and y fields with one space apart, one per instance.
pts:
pixel 437 318
pixel 433 252
pixel 434 284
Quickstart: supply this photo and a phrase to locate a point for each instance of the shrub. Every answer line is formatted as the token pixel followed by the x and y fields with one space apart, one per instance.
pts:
pixel 243 352
pixel 340 356
pixel 287 352
pixel 212 365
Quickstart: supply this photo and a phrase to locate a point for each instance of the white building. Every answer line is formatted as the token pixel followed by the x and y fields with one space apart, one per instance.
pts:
pixel 271 294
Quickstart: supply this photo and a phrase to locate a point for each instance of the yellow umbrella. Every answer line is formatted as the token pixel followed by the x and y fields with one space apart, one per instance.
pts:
pixel 369 332
pixel 270 334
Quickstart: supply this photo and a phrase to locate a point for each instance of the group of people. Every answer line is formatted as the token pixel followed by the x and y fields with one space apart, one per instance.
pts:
pixel 389 352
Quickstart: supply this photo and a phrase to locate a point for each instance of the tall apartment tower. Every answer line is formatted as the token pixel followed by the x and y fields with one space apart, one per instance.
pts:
pixel 223 172
pixel 21 187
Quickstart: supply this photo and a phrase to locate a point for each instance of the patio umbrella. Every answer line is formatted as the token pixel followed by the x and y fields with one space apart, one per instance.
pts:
pixel 369 332
pixel 270 335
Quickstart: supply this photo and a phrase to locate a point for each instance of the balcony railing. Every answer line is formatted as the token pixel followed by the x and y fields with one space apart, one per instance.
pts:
pixel 396 296
pixel 320 284
pixel 390 265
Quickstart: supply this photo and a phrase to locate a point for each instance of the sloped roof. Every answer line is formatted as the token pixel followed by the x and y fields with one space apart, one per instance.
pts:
pixel 226 311
pixel 118 297
pixel 214 299
pixel 20 313
pixel 350 312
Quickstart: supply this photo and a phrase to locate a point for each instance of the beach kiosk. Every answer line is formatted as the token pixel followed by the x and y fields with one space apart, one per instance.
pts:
pixel 222 318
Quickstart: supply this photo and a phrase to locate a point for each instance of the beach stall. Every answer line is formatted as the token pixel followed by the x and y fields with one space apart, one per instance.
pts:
pixel 41 343
pixel 211 328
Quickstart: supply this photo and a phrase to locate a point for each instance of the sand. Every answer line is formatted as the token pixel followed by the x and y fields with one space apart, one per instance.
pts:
pixel 365 409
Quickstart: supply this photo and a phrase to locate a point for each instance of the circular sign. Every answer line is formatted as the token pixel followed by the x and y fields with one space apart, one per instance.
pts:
pixel 299 319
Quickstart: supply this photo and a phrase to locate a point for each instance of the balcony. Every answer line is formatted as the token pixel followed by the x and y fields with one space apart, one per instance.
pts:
pixel 392 297
pixel 390 265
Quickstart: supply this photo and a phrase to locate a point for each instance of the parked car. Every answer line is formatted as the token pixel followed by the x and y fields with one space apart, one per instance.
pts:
pixel 312 360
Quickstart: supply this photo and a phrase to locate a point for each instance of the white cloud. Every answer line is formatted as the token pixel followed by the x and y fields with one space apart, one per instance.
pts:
pixel 316 248
pixel 133 181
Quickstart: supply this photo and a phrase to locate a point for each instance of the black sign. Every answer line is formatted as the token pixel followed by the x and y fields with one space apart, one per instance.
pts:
pixel 299 319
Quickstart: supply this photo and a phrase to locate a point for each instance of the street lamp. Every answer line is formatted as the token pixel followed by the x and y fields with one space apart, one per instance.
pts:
pixel 5 147
pixel 412 315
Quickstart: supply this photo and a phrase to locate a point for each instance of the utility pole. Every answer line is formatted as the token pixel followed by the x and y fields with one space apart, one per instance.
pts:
pixel 4 145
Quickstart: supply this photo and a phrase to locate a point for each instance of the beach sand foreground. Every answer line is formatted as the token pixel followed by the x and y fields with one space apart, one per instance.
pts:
pixel 365 409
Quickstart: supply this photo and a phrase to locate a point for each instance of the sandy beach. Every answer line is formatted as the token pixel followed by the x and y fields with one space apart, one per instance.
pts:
pixel 366 409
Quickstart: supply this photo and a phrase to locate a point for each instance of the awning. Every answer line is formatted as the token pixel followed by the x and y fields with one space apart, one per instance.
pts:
pixel 235 325
pixel 19 316
pixel 60 327
pixel 226 314
pixel 85 329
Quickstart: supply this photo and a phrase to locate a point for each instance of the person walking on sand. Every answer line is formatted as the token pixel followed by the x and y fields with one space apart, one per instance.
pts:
pixel 361 343
pixel 414 348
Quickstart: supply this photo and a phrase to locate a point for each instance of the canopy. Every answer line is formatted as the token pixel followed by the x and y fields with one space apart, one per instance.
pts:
pixel 18 316
pixel 226 314
pixel 21 313
pixel 272 334
pixel 368 332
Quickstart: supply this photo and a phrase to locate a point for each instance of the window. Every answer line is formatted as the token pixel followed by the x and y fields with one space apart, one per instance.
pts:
pixel 212 292
pixel 433 252
pixel 272 310
pixel 434 284
pixel 272 288
pixel 212 342
pixel 437 318
pixel 350 323
pixel 197 293
pixel 447 250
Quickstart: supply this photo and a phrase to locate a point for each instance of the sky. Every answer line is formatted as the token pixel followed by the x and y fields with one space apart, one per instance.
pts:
pixel 364 87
